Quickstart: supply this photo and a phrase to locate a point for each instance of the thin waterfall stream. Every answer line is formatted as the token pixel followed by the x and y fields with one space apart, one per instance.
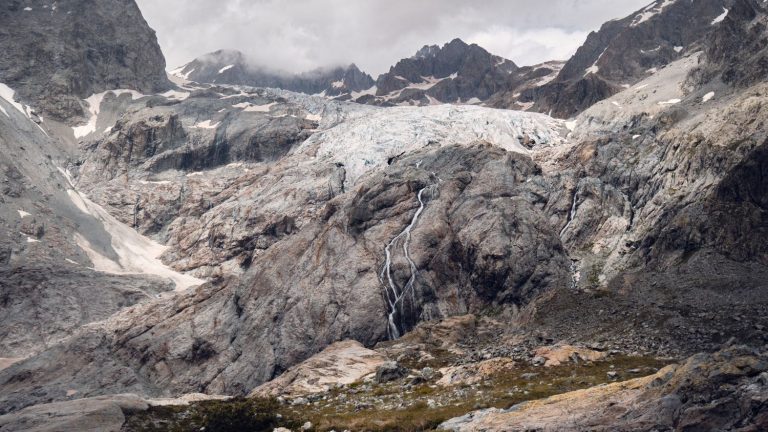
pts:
pixel 394 295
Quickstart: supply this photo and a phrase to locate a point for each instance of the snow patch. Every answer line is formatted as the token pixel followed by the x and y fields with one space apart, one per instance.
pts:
pixel 174 94
pixel 136 253
pixel 720 17
pixel 224 69
pixel 678 49
pixel 249 107
pixel 370 91
pixel 708 96
pixel 178 72
pixel 670 102
pixel 8 94
pixel 314 117
pixel 650 11
pixel 594 68
pixel 94 106
pixel 206 125
pixel 23 214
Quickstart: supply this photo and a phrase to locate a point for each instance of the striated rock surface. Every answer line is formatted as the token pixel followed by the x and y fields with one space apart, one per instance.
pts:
pixel 94 414
pixel 721 391
pixel 341 363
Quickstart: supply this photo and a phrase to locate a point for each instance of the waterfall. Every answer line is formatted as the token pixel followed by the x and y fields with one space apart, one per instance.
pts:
pixel 394 295
pixel 572 213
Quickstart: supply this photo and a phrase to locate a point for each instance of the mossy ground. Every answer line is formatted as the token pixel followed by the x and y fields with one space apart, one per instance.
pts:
pixel 393 406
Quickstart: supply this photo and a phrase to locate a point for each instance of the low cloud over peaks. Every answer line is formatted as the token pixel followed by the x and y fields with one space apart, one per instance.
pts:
pixel 305 34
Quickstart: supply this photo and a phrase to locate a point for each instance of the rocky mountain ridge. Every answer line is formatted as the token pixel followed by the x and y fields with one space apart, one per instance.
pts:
pixel 232 67
pixel 626 51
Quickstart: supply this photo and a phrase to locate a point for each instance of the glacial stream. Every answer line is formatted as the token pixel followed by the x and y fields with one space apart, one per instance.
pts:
pixel 394 295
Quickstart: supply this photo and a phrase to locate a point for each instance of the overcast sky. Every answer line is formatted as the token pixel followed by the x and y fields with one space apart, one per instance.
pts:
pixel 299 35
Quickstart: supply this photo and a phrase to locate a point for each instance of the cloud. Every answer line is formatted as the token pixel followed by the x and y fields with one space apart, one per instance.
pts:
pixel 530 46
pixel 299 35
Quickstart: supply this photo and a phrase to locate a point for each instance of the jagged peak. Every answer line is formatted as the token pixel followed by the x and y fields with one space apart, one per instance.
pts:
pixel 426 51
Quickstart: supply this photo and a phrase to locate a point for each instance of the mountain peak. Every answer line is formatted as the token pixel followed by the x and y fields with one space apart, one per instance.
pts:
pixel 426 51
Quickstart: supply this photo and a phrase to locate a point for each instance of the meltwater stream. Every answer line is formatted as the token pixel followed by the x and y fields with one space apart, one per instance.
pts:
pixel 572 213
pixel 392 293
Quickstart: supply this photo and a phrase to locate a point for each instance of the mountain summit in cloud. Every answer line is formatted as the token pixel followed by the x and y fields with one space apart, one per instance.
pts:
pixel 232 67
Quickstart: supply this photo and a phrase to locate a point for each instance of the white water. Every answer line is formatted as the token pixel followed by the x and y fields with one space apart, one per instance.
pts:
pixel 393 295
pixel 572 213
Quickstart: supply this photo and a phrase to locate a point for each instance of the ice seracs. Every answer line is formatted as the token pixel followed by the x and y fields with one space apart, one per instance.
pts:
pixel 370 136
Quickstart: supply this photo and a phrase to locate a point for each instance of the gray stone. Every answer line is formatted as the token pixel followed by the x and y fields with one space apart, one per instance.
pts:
pixel 389 371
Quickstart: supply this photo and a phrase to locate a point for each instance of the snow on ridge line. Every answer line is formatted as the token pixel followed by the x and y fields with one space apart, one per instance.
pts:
pixel 650 11
pixel 365 142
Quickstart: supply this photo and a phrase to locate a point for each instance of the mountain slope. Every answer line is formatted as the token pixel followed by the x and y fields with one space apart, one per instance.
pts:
pixel 59 53
pixel 625 51
pixel 452 73
pixel 637 229
pixel 232 67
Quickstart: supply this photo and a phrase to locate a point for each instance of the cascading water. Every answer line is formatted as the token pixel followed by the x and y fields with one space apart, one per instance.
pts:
pixel 572 213
pixel 394 295
pixel 575 274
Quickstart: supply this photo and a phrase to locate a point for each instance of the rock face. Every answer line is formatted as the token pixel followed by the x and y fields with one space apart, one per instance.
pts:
pixel 76 49
pixel 43 305
pixel 305 221
pixel 684 397
pixel 232 67
pixel 95 414
pixel 626 51
pixel 316 220
pixel 456 72
pixel 47 287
